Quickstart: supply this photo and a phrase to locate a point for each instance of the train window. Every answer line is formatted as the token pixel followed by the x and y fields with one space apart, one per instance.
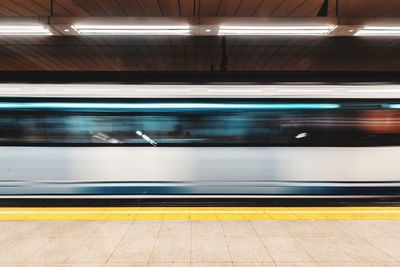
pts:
pixel 206 123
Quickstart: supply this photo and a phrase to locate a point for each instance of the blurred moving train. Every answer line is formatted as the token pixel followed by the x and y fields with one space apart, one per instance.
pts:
pixel 199 140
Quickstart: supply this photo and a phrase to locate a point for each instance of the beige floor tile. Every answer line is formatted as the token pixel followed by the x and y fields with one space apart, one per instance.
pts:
pixel 360 250
pixel 144 229
pixel 210 249
pixel 380 264
pixel 363 228
pixel 238 229
pixel 90 226
pixel 254 264
pixel 7 225
pixel 390 227
pixel 170 249
pixel 31 265
pixel 297 264
pixel 270 229
pixel 15 230
pixel 175 229
pixel 390 245
pixel 112 229
pixel 286 249
pixel 330 228
pixel 301 229
pixel 247 250
pixel 19 250
pixel 206 264
pixel 126 264
pixel 207 229
pixel 323 249
pixel 339 264
pixel 86 264
pixel 133 250
pixel 168 264
pixel 51 229
pixel 76 234
pixel 57 250
pixel 95 250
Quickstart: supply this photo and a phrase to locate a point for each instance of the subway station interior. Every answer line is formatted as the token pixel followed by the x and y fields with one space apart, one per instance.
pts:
pixel 200 133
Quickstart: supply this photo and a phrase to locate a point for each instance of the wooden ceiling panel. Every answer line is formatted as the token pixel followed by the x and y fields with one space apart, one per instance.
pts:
pixel 92 7
pixel 240 8
pixel 131 7
pixel 113 8
pixel 35 7
pixel 369 8
pixel 170 8
pixel 248 8
pixel 151 8
pixel 307 8
pixel 209 8
pixel 69 8
pixel 286 8
pixel 23 8
pixel 229 7
pixel 187 8
pixel 267 7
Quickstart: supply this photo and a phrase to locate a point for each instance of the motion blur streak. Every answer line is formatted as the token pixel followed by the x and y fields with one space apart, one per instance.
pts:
pixel 188 147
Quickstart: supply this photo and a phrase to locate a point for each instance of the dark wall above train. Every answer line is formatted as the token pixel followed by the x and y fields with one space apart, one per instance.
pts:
pixel 192 77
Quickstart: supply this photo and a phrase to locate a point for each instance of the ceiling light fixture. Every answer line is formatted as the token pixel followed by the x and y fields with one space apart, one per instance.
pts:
pixel 379 31
pixel 275 30
pixel 132 29
pixel 24 30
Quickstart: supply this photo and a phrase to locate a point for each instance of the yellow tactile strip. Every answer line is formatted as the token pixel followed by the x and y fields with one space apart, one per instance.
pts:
pixel 202 213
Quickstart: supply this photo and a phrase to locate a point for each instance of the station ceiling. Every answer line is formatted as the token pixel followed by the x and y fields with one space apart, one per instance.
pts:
pixel 198 53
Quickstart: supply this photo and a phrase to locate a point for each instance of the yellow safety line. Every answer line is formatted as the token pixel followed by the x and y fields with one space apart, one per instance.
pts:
pixel 202 213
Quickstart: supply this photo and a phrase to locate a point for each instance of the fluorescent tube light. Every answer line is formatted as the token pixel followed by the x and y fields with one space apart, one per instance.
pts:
pixel 374 91
pixel 24 30
pixel 234 90
pixel 275 30
pixel 132 29
pixel 304 90
pixel 379 31
pixel 163 90
pixel 128 106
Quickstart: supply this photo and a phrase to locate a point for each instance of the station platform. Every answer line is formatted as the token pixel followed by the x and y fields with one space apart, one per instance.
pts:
pixel 200 236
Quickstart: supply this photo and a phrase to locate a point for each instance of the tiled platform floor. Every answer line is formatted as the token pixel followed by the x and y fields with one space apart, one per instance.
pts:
pixel 200 243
